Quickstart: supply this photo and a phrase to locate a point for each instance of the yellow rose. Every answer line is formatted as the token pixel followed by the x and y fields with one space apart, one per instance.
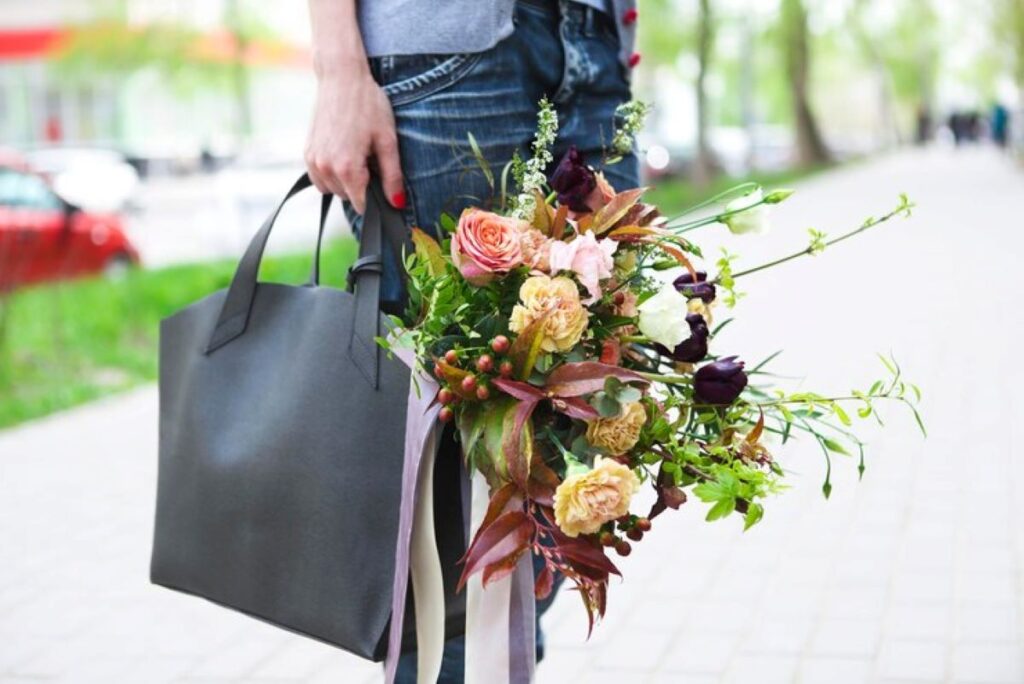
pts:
pixel 620 433
pixel 560 299
pixel 585 501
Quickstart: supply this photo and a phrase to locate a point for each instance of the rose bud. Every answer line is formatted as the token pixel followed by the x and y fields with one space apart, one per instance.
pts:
pixel 720 382
pixel 698 288
pixel 573 180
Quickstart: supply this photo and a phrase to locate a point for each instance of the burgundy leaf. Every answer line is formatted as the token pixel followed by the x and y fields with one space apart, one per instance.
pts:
pixel 520 390
pixel 504 567
pixel 581 550
pixel 586 377
pixel 507 534
pixel 544 584
pixel 574 407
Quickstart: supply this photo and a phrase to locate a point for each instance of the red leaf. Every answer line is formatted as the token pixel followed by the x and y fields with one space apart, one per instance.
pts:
pixel 617 207
pixel 504 567
pixel 508 533
pixel 574 407
pixel 585 377
pixel 544 584
pixel 519 390
pixel 582 550
pixel 518 454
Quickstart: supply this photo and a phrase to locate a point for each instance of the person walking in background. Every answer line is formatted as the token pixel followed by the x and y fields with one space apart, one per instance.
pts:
pixel 1000 124
pixel 402 82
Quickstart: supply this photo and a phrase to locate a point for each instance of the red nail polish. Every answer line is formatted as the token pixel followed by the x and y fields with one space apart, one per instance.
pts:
pixel 398 200
pixel 634 59
pixel 630 16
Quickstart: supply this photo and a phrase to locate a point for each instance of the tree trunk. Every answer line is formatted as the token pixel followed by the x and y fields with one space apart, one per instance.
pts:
pixel 811 149
pixel 707 165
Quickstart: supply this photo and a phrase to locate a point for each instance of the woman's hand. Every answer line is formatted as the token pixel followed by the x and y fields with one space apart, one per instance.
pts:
pixel 353 122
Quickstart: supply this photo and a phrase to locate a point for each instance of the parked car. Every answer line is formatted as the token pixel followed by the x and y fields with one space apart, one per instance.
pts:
pixel 44 237
pixel 93 178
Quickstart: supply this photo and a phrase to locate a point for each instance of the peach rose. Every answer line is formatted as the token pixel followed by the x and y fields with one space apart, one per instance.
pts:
pixel 485 244
pixel 620 433
pixel 602 193
pixel 586 501
pixel 559 299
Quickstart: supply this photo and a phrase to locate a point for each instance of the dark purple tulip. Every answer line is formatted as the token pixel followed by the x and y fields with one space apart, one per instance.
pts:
pixel 693 348
pixel 573 180
pixel 719 382
pixel 701 288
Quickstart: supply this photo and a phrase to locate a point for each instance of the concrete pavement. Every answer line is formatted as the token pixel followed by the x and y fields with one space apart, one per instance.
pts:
pixel 915 574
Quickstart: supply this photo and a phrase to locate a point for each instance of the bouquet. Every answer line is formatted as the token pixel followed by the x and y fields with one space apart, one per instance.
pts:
pixel 571 329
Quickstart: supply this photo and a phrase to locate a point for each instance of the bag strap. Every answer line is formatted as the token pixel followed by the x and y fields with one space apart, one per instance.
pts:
pixel 380 217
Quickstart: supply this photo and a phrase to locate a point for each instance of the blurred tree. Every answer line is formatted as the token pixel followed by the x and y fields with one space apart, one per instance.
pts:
pixel 796 50
pixel 707 166
pixel 114 47
pixel 1009 31
pixel 901 43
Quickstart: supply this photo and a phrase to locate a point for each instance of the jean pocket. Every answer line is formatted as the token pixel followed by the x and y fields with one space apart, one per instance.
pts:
pixel 409 78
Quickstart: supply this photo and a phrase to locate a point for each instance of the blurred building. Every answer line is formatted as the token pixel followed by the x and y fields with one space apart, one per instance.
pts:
pixel 139 111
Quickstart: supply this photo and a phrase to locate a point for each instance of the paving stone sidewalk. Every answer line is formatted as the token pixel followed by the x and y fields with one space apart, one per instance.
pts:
pixel 915 574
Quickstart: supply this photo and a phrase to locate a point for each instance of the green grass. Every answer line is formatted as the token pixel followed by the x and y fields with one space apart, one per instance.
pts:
pixel 68 343
pixel 673 195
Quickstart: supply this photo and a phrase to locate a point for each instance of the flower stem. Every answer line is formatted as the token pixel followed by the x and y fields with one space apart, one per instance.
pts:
pixel 870 223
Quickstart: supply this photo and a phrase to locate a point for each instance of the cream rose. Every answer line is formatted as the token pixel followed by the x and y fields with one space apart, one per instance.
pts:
pixel 620 433
pixel 586 501
pixel 559 299
pixel 663 317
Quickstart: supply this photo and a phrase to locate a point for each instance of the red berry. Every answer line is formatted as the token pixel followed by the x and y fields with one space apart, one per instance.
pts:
pixel 438 371
pixel 445 396
pixel 505 369
pixel 500 344
pixel 445 414
pixel 644 524
pixel 451 357
pixel 619 298
pixel 468 383
pixel 485 364
pixel 608 539
pixel 623 548
pixel 635 533
pixel 483 393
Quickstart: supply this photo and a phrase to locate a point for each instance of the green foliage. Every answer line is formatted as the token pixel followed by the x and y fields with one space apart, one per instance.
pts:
pixel 68 343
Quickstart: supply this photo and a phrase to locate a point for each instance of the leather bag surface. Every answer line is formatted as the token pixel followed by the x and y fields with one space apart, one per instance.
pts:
pixel 282 427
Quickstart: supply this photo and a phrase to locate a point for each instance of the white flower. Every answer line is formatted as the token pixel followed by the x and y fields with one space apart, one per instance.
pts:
pixel 663 317
pixel 747 220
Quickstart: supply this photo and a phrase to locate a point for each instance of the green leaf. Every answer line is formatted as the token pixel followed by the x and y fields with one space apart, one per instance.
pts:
pixel 448 223
pixel 429 252
pixel 833 445
pixel 481 160
pixel 721 509
pixel 754 514
pixel 841 414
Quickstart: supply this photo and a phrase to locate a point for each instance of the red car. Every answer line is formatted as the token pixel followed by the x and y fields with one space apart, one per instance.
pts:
pixel 43 238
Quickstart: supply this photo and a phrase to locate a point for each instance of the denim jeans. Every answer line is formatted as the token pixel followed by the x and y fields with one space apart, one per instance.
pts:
pixel 563 50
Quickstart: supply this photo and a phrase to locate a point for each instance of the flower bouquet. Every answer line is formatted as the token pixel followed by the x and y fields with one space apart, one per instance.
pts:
pixel 571 330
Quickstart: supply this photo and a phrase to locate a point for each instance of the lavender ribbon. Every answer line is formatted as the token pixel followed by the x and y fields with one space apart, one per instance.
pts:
pixel 517 655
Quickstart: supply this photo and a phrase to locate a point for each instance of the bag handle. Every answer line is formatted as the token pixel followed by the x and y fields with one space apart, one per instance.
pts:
pixel 380 217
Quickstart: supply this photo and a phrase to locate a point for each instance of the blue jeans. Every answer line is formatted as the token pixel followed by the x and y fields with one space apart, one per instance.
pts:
pixel 565 51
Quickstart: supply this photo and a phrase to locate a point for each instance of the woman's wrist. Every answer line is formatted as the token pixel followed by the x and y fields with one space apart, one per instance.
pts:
pixel 330 65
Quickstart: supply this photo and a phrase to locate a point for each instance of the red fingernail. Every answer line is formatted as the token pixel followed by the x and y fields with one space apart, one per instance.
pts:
pixel 634 59
pixel 398 200
pixel 630 16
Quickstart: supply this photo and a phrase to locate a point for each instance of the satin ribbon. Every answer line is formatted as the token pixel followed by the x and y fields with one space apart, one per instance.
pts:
pixel 500 620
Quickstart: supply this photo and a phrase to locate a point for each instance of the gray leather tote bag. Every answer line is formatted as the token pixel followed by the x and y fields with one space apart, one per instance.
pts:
pixel 282 428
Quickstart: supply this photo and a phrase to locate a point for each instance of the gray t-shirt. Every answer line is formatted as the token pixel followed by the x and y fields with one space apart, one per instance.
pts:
pixel 414 27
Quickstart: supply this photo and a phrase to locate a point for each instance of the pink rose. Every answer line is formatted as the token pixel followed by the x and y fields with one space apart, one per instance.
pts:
pixel 588 257
pixel 486 244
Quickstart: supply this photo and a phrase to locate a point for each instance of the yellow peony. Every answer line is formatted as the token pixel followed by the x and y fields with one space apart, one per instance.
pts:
pixel 585 501
pixel 560 299
pixel 620 433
